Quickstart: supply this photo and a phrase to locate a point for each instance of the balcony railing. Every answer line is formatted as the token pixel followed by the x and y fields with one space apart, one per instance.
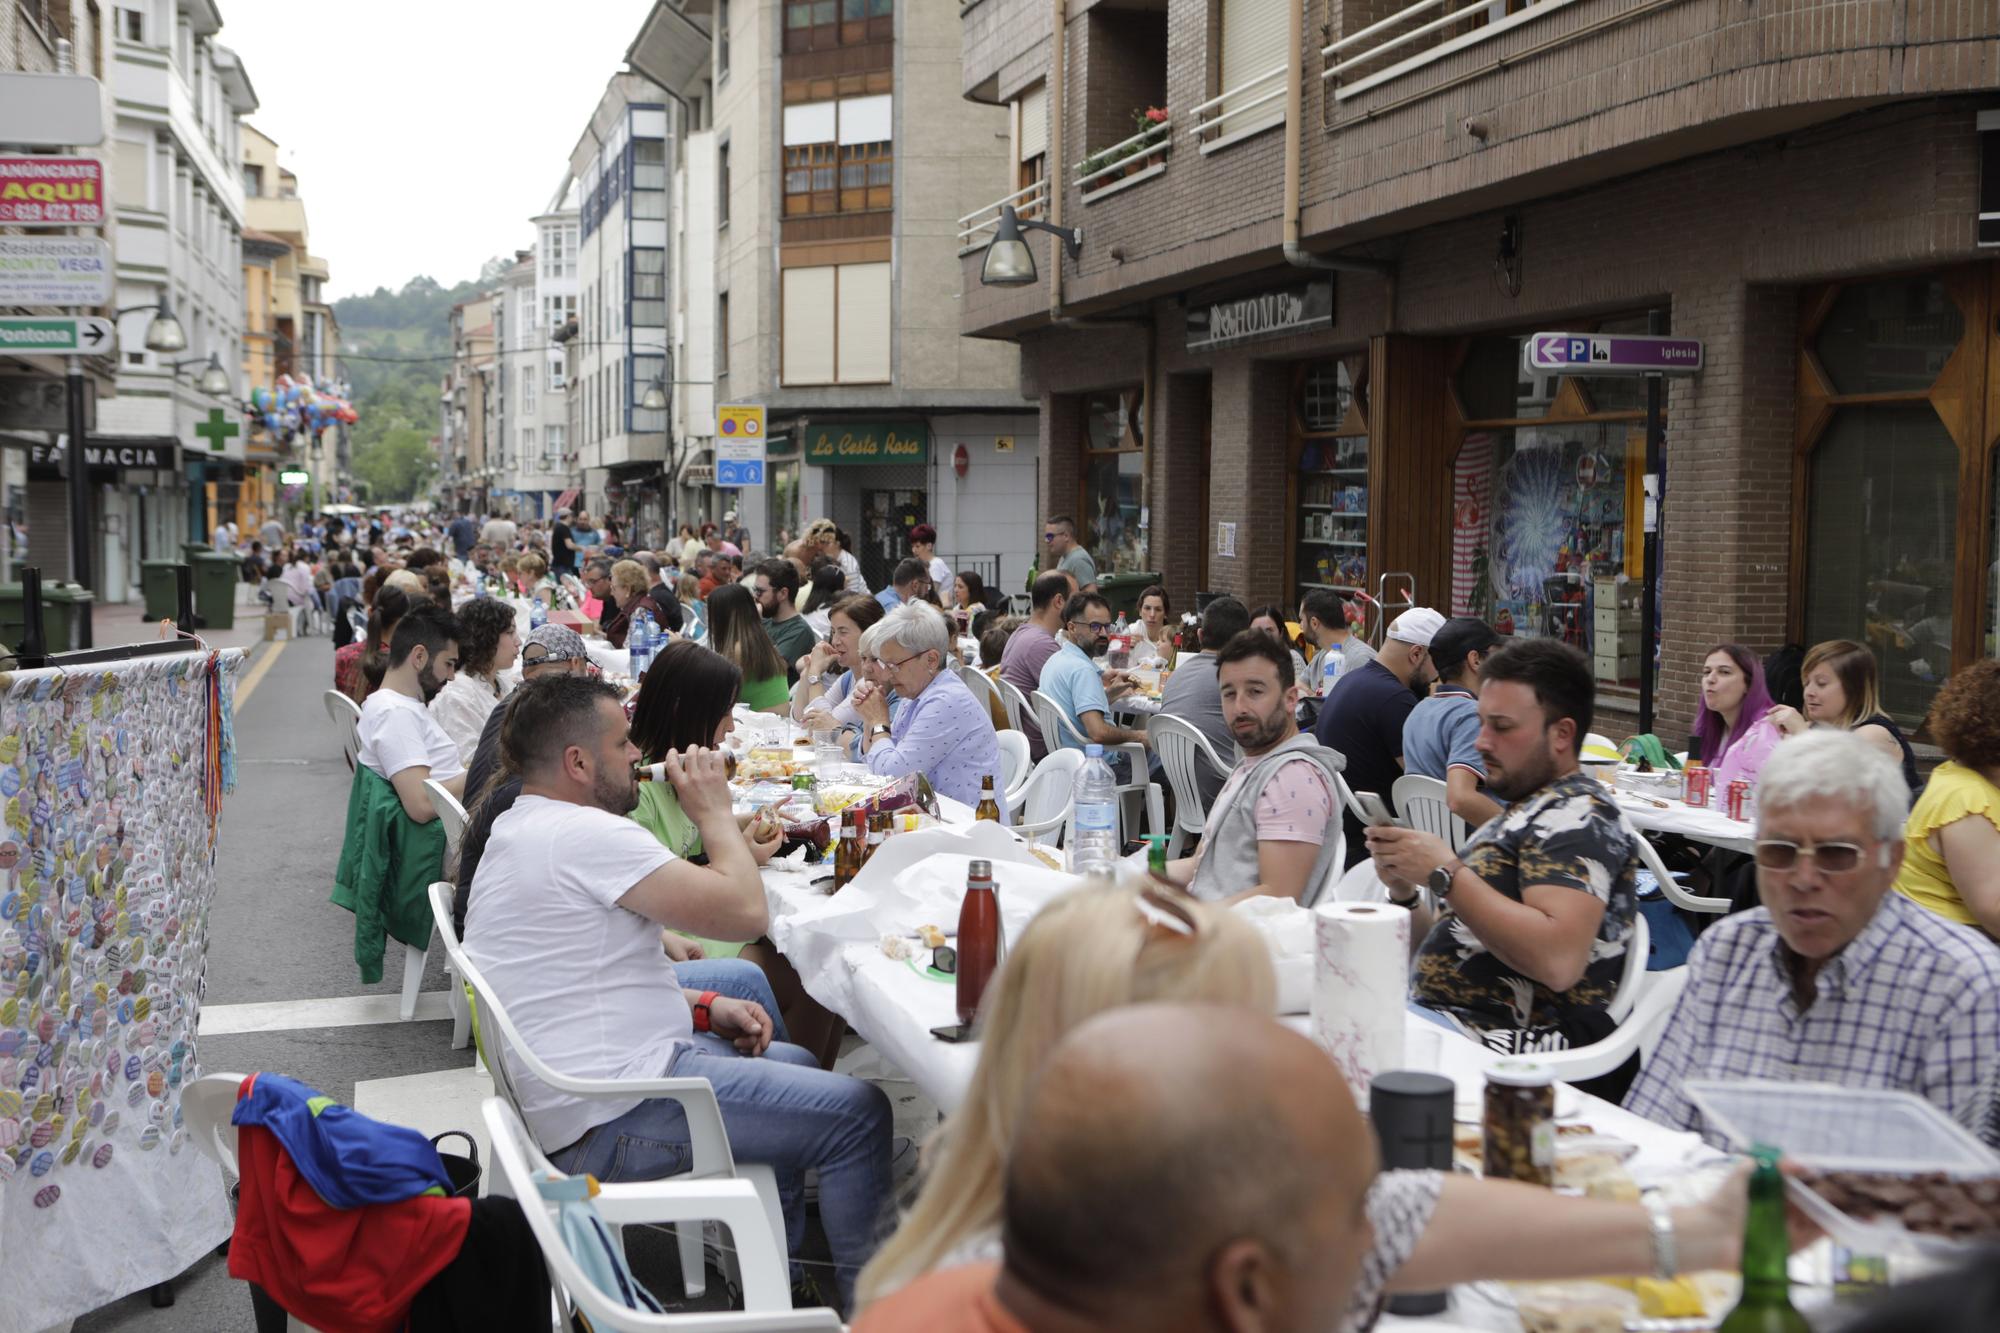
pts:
pixel 1098 170
pixel 1241 109
pixel 1027 201
pixel 1430 30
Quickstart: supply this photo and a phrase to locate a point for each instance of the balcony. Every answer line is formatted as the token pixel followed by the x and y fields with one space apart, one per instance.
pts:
pixel 1126 163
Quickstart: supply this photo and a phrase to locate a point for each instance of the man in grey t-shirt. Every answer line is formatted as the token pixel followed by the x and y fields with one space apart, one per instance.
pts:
pixel 1059 535
pixel 1193 695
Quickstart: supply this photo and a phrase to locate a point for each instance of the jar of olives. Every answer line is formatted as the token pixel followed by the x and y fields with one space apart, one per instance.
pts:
pixel 1520 1122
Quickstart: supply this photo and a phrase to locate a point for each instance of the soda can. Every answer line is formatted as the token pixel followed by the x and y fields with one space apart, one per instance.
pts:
pixel 1739 799
pixel 1694 785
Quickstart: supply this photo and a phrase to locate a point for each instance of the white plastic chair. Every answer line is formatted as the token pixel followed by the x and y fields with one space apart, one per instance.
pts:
pixel 450 813
pixel 1675 894
pixel 1056 728
pixel 1637 949
pixel 1639 1031
pixel 500 1043
pixel 676 1201
pixel 346 715
pixel 1042 805
pixel 1015 763
pixel 1357 884
pixel 461 1009
pixel 206 1105
pixel 1013 702
pixel 1424 802
pixel 1599 740
pixel 1183 750
pixel 981 686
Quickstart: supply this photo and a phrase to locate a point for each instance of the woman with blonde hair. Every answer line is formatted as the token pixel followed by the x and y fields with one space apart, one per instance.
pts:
pixel 1841 691
pixel 1134 941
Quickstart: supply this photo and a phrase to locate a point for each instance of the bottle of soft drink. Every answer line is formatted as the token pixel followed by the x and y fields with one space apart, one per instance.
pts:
pixel 1093 846
pixel 538 615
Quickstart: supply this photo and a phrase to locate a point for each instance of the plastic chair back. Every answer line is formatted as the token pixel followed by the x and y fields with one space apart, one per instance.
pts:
pixel 980 685
pixel 450 813
pixel 1015 763
pixel 1637 946
pixel 1055 725
pixel 206 1105
pixel 1424 803
pixel 1359 884
pixel 346 714
pixel 1013 702
pixel 1183 751
pixel 1042 804
pixel 1675 894
pixel 1639 1032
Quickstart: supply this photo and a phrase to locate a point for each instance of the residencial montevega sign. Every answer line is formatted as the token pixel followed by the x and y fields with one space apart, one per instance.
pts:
pixel 1273 314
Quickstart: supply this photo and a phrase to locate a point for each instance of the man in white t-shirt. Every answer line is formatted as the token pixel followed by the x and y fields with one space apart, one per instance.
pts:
pixel 399 739
pixel 564 924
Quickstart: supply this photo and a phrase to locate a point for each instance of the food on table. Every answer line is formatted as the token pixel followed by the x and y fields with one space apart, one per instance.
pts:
pixel 1519 1124
pixel 898 947
pixel 769 762
pixel 1931 1203
pixel 932 937
pixel 1574 1307
pixel 1600 1175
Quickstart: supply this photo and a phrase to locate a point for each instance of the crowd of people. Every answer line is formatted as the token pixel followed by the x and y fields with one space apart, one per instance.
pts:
pixel 624 925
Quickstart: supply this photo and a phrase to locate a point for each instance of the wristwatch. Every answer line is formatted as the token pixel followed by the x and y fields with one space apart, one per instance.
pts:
pixel 878 730
pixel 1666 1254
pixel 1440 880
pixel 701 1009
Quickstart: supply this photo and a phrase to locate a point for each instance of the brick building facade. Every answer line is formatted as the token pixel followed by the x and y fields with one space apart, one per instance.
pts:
pixel 1796 184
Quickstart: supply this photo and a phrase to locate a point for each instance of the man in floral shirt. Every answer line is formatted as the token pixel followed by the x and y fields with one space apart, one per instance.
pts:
pixel 1529 945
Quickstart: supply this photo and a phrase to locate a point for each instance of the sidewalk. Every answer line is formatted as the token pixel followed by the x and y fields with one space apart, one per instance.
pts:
pixel 125 622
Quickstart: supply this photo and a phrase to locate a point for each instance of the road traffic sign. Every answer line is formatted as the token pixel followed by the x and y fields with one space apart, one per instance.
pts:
pixel 54 270
pixel 28 333
pixel 739 472
pixel 1613 354
pixel 740 421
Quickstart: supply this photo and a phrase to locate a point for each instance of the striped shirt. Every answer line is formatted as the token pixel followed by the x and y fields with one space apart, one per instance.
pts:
pixel 1913 1003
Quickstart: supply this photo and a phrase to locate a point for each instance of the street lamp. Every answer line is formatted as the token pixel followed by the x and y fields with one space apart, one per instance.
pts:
pixel 1009 262
pixel 163 332
pixel 655 397
pixel 213 380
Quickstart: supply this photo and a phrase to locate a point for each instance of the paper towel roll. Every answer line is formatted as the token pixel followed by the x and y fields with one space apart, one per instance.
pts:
pixel 1361 970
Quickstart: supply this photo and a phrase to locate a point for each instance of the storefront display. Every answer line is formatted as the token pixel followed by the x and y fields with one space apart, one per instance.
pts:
pixel 1331 448
pixel 1114 468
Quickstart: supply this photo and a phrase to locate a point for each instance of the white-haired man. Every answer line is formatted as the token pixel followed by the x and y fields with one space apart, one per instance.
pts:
pixel 1834 979
pixel 940 731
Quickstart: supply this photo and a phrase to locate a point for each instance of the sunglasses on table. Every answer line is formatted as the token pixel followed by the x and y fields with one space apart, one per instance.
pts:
pixel 1834 858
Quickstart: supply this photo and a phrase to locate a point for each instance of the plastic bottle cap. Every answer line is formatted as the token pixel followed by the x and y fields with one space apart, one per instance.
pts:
pixel 1093 751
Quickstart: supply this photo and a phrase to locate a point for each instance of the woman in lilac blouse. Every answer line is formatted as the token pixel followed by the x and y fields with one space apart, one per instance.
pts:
pixel 941 731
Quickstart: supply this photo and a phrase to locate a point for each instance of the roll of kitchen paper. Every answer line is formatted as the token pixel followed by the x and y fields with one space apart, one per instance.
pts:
pixel 1361 970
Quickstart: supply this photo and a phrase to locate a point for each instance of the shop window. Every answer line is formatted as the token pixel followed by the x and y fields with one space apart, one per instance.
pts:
pixel 1332 453
pixel 1881 542
pixel 1885 337
pixel 1620 393
pixel 1114 468
pixel 1493 385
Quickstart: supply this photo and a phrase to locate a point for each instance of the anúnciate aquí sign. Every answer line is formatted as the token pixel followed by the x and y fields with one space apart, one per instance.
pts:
pixel 51 192
pixel 848 442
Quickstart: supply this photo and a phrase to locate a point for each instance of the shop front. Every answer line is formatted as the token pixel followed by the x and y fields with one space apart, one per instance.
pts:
pixel 873 479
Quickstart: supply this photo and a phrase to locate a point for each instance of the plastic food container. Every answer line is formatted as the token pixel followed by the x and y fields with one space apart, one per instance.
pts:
pixel 1828 1127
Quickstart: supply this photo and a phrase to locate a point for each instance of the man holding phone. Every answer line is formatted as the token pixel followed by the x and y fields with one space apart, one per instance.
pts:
pixel 1529 948
pixel 1266 833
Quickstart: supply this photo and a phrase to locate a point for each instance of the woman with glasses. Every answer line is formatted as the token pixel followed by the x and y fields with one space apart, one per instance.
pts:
pixel 942 732
pixel 1107 945
pixel 827 673
pixel 737 632
pixel 1841 692
pixel 1952 861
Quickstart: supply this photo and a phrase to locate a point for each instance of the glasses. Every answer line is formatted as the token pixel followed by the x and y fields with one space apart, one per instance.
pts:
pixel 893 666
pixel 1095 626
pixel 1048 536
pixel 1835 858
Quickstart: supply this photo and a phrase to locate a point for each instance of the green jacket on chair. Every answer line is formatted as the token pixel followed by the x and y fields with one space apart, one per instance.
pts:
pixel 387 864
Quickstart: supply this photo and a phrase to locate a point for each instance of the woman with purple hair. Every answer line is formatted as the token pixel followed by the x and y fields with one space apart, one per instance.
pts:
pixel 1732 733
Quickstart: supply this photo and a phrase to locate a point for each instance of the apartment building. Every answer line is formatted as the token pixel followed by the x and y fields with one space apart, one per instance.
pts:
pixel 842 156
pixel 467 407
pixel 545 445
pixel 289 330
pixel 1328 251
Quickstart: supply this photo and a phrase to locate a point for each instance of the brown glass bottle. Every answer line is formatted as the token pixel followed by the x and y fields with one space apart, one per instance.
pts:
pixel 988 808
pixel 878 833
pixel 846 853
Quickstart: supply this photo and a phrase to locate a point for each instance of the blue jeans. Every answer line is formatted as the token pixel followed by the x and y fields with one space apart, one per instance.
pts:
pixel 737 979
pixel 781 1110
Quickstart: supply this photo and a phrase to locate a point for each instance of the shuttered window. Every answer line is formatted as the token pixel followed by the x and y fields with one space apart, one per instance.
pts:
pixel 1034 111
pixel 862 323
pixel 1253 45
pixel 808 331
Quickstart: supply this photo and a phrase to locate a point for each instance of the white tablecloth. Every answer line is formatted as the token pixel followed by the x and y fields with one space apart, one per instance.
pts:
pixel 1708 825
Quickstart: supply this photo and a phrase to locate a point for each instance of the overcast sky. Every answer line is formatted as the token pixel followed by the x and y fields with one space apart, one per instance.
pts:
pixel 425 133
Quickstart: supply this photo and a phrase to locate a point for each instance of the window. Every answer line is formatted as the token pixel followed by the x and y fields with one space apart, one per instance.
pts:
pixel 837 322
pixel 649 288
pixel 1253 48
pixel 721 40
pixel 132 25
pixel 527 445
pixel 552 445
pixel 556 256
pixel 1329 431
pixel 810 177
pixel 253 180
pixel 839 157
pixel 722 184
pixel 820 25
pixel 721 334
pixel 1031 139
pixel 1114 465
pixel 557 378
pixel 528 388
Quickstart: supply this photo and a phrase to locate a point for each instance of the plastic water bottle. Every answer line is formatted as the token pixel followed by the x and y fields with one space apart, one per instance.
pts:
pixel 1093 843
pixel 1120 629
pixel 639 642
pixel 538 615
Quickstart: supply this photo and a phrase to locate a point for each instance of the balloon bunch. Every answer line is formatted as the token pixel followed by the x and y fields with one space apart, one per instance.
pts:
pixel 293 405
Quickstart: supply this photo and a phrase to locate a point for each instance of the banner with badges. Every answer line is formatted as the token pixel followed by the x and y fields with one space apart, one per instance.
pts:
pixel 112 779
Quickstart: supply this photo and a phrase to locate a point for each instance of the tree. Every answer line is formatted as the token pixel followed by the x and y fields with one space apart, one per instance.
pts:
pixel 398 466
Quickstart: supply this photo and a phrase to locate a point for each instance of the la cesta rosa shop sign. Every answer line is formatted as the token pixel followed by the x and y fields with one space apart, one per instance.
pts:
pixel 867 442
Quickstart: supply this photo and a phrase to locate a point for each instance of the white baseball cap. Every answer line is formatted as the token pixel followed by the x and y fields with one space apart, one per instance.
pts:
pixel 1417 625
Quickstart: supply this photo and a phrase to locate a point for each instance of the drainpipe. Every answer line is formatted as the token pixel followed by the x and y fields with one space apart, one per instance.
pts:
pixel 1295 78
pixel 1058 52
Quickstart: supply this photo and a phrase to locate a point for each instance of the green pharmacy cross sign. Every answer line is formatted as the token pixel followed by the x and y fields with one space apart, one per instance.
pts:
pixel 218 429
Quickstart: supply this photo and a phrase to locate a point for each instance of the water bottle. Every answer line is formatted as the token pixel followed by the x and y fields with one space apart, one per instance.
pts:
pixel 1093 846
pixel 1119 629
pixel 538 615
pixel 639 643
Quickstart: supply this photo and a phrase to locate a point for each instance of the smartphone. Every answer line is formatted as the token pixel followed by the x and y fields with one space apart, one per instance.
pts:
pixel 953 1032
pixel 1373 810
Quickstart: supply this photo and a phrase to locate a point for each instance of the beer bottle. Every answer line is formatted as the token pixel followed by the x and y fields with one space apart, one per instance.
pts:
pixel 649 772
pixel 847 854
pixel 878 832
pixel 988 808
pixel 1766 1306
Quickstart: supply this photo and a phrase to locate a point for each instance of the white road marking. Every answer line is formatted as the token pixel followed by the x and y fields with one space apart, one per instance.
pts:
pixel 345 1011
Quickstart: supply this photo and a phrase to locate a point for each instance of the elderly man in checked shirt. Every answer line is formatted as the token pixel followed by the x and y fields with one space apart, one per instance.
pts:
pixel 1835 979
pixel 941 731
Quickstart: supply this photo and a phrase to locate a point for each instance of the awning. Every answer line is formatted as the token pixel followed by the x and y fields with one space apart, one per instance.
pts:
pixel 566 499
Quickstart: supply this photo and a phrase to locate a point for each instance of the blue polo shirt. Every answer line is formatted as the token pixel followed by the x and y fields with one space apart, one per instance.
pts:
pixel 1363 720
pixel 1072 682
pixel 1442 732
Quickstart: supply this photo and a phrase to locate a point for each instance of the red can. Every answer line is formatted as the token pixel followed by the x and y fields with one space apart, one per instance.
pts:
pixel 1695 785
pixel 1739 799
